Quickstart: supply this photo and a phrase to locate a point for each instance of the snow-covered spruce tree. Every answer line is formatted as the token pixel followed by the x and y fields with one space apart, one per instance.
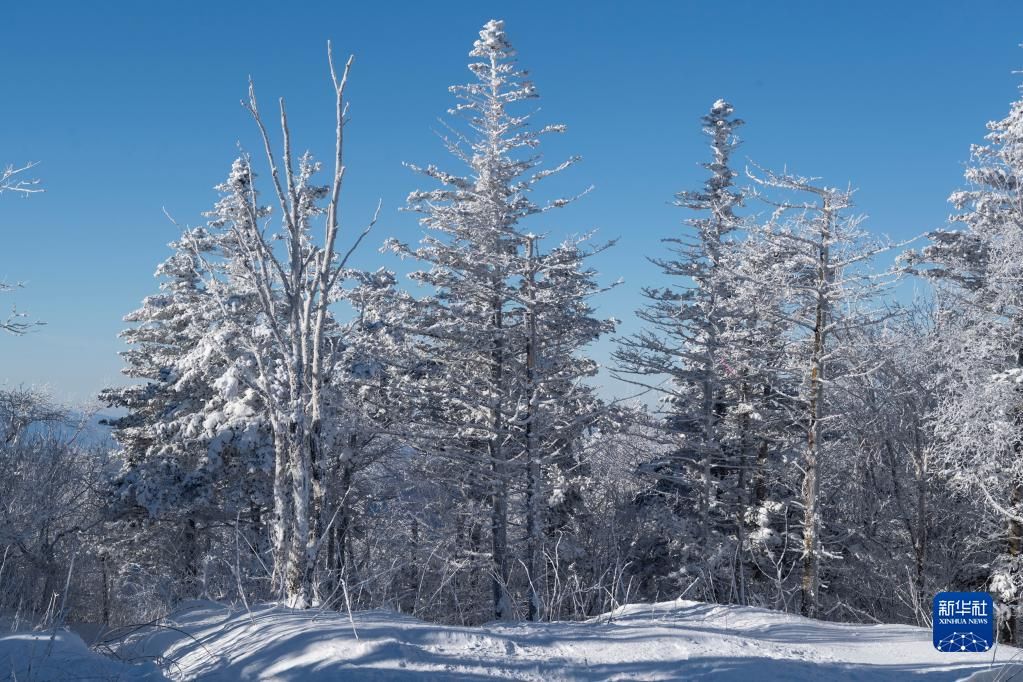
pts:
pixel 557 407
pixel 700 336
pixel 194 448
pixel 979 421
pixel 819 285
pixel 755 488
pixel 500 344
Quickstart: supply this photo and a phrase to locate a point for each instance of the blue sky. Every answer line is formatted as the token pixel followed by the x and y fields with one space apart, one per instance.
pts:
pixel 133 107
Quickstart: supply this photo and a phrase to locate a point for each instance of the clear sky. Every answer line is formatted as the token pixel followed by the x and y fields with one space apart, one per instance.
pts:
pixel 133 107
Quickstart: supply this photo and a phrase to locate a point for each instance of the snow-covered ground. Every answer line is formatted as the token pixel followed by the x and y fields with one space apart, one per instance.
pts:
pixel 61 655
pixel 668 641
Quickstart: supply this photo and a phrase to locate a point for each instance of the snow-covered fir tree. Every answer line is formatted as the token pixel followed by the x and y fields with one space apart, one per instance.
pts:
pixel 194 449
pixel 502 332
pixel 702 337
pixel 979 421
pixel 557 406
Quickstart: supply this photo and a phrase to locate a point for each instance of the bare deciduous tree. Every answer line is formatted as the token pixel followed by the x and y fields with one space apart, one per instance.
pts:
pixel 13 179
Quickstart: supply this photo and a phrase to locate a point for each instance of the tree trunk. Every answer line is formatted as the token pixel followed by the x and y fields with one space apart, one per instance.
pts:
pixel 499 533
pixel 106 589
pixel 190 555
pixel 920 537
pixel 810 491
pixel 338 545
pixel 742 503
pixel 706 489
pixel 534 525
pixel 280 534
pixel 1009 630
pixel 299 569
pixel 498 458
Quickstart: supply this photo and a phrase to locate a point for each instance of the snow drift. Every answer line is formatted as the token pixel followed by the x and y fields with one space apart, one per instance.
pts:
pixel 61 655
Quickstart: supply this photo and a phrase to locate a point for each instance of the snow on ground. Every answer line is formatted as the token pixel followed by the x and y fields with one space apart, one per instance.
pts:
pixel 679 640
pixel 61 655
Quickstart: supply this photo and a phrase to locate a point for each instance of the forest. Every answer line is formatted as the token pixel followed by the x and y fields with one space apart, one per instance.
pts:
pixel 818 420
